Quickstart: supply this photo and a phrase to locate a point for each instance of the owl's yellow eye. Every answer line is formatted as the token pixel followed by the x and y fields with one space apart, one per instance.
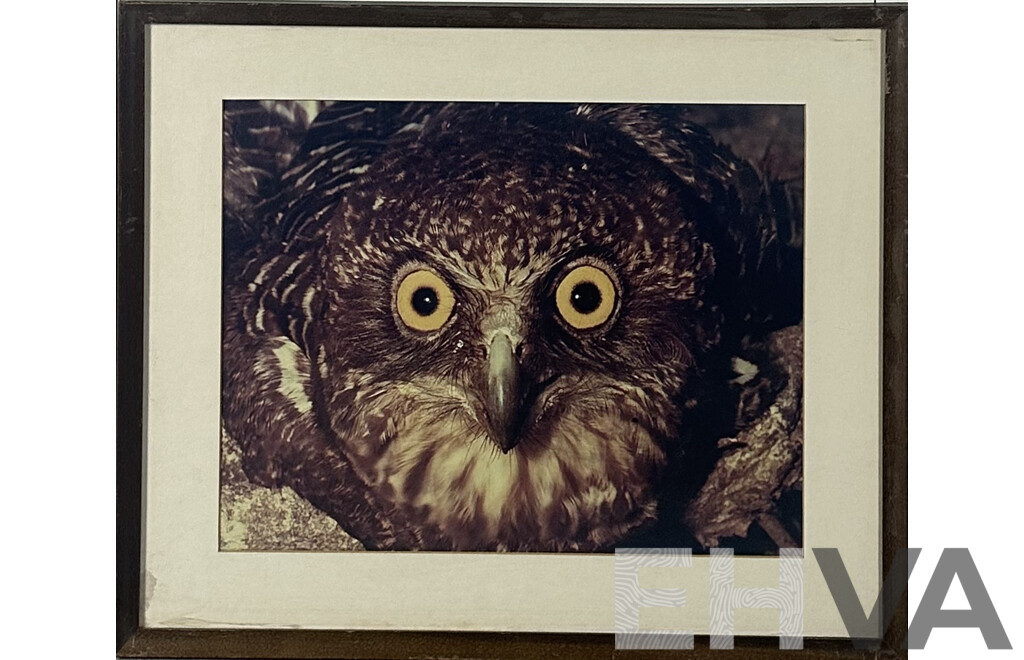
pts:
pixel 586 297
pixel 424 302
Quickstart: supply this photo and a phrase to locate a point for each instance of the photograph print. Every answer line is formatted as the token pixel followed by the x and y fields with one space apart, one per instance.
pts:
pixel 522 327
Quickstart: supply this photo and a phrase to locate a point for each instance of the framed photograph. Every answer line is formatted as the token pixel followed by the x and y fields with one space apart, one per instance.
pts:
pixel 458 331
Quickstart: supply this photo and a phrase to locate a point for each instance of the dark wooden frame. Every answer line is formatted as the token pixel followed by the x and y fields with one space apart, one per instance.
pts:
pixel 133 16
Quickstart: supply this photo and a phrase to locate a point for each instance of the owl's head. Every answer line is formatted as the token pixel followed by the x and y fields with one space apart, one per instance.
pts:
pixel 514 308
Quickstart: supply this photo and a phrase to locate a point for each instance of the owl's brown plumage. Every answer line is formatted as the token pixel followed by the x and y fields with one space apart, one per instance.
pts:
pixel 523 420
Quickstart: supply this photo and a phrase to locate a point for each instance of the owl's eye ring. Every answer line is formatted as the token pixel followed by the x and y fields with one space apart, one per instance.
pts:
pixel 423 301
pixel 586 297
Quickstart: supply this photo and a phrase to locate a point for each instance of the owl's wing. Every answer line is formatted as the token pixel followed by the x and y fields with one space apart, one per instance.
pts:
pixel 753 221
pixel 268 411
pixel 339 146
pixel 281 179
pixel 260 140
pixel 285 163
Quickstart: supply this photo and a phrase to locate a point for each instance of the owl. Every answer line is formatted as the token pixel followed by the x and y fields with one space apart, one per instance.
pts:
pixel 487 327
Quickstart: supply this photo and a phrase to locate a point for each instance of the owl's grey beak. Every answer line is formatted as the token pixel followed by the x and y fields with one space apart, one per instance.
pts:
pixel 503 391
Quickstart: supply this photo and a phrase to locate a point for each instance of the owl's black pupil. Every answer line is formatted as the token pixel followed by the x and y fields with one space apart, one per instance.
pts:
pixel 585 297
pixel 424 301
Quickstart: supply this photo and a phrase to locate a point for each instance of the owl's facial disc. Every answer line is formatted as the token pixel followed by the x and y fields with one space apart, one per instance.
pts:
pixel 584 299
